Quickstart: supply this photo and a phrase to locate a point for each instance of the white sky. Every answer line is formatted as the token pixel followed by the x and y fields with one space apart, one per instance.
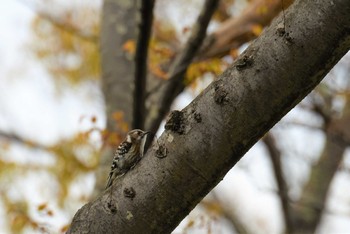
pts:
pixel 32 107
pixel 29 102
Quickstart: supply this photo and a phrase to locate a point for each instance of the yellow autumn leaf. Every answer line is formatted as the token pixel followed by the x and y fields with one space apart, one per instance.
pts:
pixel 257 29
pixel 42 206
pixel 129 46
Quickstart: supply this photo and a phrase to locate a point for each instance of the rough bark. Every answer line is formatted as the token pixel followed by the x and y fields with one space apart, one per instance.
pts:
pixel 209 136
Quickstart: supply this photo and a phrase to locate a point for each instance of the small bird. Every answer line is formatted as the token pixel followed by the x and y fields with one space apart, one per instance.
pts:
pixel 128 154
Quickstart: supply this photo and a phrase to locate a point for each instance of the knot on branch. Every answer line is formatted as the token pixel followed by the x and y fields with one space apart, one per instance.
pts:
pixel 281 32
pixel 161 151
pixel 176 122
pixel 129 192
pixel 244 62
pixel 220 96
pixel 111 207
pixel 197 117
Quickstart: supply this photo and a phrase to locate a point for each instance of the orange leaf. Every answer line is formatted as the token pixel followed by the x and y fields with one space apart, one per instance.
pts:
pixel 262 10
pixel 124 126
pixel 93 119
pixel 158 72
pixel 234 53
pixel 118 116
pixel 113 139
pixel 190 224
pixel 50 213
pixel 129 46
pixel 64 229
pixel 185 29
pixel 257 29
pixel 42 206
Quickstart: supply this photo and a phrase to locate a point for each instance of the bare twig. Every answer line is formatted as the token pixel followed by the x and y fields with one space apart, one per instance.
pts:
pixel 145 27
pixel 235 31
pixel 59 23
pixel 177 71
pixel 18 139
pixel 275 156
pixel 310 207
pixel 301 124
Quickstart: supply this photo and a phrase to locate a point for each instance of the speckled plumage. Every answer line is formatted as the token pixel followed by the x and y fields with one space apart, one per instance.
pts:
pixel 127 155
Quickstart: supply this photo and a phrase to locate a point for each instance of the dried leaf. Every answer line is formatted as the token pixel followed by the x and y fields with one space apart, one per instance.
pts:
pixel 129 46
pixel 41 207
pixel 257 29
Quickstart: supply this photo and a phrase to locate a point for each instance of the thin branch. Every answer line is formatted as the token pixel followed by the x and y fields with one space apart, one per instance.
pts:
pixel 18 139
pixel 177 71
pixel 236 31
pixel 145 28
pixel 288 124
pixel 309 209
pixel 275 156
pixel 70 28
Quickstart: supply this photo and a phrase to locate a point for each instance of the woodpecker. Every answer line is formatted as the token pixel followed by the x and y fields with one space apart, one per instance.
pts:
pixel 128 154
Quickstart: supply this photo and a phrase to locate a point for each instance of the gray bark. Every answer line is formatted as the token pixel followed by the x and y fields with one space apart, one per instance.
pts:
pixel 209 136
pixel 118 25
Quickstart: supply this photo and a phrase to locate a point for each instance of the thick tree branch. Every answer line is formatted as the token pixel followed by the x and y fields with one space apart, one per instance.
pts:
pixel 207 138
pixel 177 71
pixel 275 156
pixel 145 27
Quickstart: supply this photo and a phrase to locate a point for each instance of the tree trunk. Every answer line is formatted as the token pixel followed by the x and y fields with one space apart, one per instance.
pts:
pixel 207 138
pixel 118 25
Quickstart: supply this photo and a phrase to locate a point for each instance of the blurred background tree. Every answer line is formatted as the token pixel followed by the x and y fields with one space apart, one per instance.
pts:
pixel 295 180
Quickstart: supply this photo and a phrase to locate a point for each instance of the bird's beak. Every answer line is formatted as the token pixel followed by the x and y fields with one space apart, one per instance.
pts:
pixel 145 133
